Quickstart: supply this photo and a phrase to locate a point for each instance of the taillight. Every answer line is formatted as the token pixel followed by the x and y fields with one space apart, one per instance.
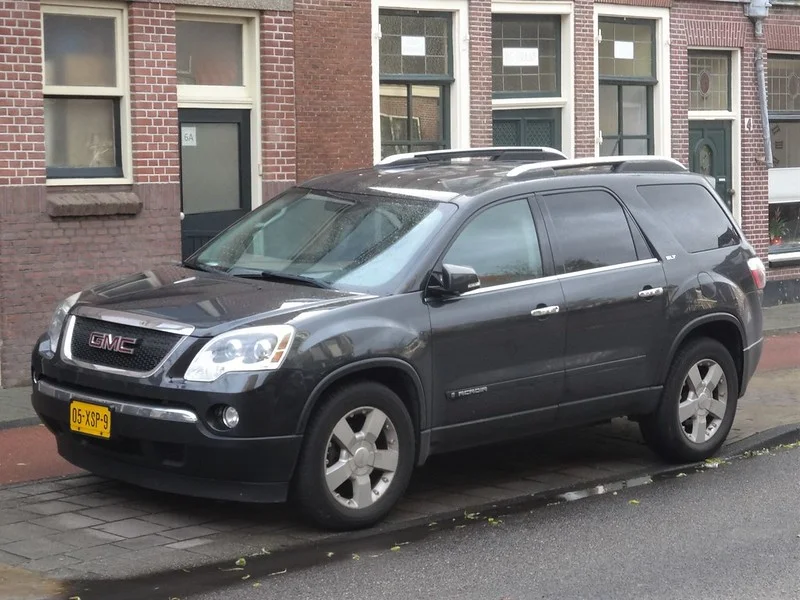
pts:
pixel 758 272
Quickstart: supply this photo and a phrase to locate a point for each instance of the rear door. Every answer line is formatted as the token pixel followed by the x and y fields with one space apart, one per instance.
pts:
pixel 498 350
pixel 615 302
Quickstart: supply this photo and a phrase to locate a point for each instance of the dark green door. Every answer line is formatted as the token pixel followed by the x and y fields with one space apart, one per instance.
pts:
pixel 710 154
pixel 534 127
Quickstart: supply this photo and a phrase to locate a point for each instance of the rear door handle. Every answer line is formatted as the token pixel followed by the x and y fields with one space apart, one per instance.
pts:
pixel 651 292
pixel 543 311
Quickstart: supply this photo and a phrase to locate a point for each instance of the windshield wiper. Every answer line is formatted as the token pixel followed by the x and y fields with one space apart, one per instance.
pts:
pixel 289 277
pixel 202 267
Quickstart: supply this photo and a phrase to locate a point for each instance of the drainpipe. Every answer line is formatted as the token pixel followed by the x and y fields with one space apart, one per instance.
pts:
pixel 758 11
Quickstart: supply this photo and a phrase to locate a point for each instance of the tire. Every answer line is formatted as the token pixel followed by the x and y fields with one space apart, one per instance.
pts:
pixel 675 439
pixel 361 456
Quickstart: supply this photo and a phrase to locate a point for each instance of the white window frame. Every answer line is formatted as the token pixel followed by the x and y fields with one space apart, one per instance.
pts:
pixel 566 100
pixel 734 115
pixel 246 96
pixel 119 12
pixel 460 89
pixel 662 105
pixel 782 186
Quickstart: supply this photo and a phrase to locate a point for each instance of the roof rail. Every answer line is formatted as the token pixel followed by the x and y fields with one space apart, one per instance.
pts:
pixel 616 164
pixel 518 153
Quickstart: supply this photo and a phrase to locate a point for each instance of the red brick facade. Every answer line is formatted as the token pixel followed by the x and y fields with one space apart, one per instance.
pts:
pixel 316 82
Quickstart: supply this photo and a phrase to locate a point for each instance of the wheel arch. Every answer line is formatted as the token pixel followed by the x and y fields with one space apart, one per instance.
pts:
pixel 722 327
pixel 398 375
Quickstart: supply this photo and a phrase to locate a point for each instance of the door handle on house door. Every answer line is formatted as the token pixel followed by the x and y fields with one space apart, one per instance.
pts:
pixel 182 215
pixel 543 311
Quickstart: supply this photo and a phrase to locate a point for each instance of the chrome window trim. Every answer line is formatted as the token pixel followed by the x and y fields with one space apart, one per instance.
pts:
pixel 516 284
pixel 177 415
pixel 133 320
pixel 67 357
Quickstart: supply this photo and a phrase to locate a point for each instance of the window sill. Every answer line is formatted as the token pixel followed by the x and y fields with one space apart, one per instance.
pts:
pixel 87 181
pixel 91 204
pixel 783 259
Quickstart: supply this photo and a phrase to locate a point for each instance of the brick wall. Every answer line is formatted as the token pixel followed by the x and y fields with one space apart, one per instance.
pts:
pixel 480 72
pixel 278 125
pixel 333 74
pixel 584 78
pixel 44 259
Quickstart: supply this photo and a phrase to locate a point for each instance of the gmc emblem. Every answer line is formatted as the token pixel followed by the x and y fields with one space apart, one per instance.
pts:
pixel 115 343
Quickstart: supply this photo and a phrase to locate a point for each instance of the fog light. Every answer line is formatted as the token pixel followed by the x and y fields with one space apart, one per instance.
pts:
pixel 230 417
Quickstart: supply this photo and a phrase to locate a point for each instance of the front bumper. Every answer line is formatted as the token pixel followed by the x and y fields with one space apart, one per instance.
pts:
pixel 169 449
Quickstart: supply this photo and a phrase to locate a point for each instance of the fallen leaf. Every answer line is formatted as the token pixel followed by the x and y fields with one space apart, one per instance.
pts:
pixel 431 524
pixel 278 573
pixel 330 554
pixel 246 577
pixel 256 584
pixel 356 557
pixel 241 562
pixel 681 475
pixel 394 548
pixel 633 502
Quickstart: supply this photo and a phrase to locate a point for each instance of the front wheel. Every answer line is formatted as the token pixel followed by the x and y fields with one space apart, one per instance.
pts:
pixel 357 457
pixel 697 406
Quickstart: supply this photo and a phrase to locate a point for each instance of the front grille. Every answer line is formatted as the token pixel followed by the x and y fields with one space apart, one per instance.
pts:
pixel 150 349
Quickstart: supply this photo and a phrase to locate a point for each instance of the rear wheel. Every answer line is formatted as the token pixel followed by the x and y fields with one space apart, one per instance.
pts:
pixel 357 457
pixel 698 404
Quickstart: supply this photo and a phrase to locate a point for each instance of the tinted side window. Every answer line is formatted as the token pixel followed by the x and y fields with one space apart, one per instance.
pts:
pixel 500 244
pixel 590 230
pixel 692 214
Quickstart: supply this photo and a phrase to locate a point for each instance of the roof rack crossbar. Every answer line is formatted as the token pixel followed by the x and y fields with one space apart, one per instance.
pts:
pixel 517 153
pixel 619 164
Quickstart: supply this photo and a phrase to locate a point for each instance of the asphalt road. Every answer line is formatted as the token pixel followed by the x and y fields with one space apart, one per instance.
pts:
pixel 730 532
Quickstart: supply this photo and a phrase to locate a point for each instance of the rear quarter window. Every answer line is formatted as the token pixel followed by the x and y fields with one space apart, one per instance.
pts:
pixel 692 214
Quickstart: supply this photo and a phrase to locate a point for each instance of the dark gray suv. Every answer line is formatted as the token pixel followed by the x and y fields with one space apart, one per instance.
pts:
pixel 334 338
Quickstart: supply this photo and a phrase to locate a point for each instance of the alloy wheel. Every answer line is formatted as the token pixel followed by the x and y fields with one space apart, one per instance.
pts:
pixel 703 401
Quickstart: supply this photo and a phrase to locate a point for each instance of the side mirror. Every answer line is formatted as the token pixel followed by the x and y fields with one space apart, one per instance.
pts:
pixel 455 280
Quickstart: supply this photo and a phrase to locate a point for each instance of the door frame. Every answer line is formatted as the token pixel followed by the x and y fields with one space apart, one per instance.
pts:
pixel 728 126
pixel 238 116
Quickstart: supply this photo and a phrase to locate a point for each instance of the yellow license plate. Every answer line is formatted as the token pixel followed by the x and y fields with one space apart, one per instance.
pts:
pixel 90 419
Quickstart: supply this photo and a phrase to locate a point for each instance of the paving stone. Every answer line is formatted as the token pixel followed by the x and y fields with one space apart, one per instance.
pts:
pixel 176 520
pixel 12 560
pixel 49 563
pixel 112 513
pixel 95 552
pixel 45 497
pixel 11 494
pixel 14 515
pixel 186 533
pixel 24 531
pixel 186 544
pixel 36 548
pixel 42 487
pixel 131 528
pixel 95 500
pixel 67 521
pixel 145 541
pixel 85 538
pixel 52 508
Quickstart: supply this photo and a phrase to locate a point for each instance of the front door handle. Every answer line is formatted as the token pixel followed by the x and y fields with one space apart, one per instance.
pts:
pixel 651 292
pixel 543 311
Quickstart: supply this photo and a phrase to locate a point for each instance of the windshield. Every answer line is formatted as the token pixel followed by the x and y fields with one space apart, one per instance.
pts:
pixel 354 242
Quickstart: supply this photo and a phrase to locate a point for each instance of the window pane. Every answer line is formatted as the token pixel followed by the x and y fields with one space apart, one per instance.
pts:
pixel 591 230
pixel 414 45
pixel 709 83
pixel 609 110
pixel 209 53
pixel 634 147
pixel 525 54
pixel 426 112
pixel 692 215
pixel 394 118
pixel 80 133
pixel 79 50
pixel 634 110
pixel 626 49
pixel 783 80
pixel 784 227
pixel 786 143
pixel 500 244
pixel 210 168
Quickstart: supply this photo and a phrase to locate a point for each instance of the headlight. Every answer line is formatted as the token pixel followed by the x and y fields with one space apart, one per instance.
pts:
pixel 250 349
pixel 57 322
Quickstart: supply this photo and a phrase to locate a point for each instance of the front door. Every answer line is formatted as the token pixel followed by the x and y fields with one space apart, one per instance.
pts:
pixel 710 155
pixel 498 350
pixel 215 172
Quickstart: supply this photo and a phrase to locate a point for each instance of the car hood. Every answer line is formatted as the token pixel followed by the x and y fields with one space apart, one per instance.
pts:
pixel 211 302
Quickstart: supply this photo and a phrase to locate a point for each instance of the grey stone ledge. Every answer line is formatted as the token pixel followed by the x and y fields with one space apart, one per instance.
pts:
pixel 245 4
pixel 87 204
